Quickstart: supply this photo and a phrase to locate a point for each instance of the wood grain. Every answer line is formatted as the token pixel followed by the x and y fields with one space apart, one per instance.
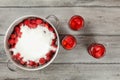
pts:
pixel 19 78
pixel 98 21
pixel 102 21
pixel 65 72
pixel 79 54
pixel 58 3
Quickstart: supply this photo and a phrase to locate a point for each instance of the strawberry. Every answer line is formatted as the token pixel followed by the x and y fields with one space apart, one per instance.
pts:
pixel 16 40
pixel 55 46
pixel 11 41
pixel 22 62
pixel 51 29
pixel 13 36
pixel 55 36
pixel 26 21
pixel 53 41
pixel 17 29
pixel 31 23
pixel 53 52
pixel 49 56
pixel 46 25
pixel 19 58
pixel 31 63
pixel 36 65
pixel 39 21
pixel 19 34
pixel 42 61
pixel 17 55
pixel 12 46
pixel 20 24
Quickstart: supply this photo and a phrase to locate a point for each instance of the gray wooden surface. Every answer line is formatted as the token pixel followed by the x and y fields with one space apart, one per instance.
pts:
pixel 102 24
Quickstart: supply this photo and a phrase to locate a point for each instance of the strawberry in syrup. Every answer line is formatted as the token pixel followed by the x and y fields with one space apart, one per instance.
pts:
pixel 96 50
pixel 76 22
pixel 69 42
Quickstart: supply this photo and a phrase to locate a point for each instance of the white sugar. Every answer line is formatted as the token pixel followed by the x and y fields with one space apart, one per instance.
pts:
pixel 34 43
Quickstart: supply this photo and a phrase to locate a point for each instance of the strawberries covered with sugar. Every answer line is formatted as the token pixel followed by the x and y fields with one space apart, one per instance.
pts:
pixel 33 42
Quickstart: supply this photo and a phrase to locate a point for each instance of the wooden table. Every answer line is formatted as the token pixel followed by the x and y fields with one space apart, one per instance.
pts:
pixel 102 24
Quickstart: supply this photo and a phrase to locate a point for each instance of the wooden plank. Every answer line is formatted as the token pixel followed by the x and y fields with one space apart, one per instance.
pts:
pixel 66 72
pixel 79 54
pixel 19 78
pixel 58 3
pixel 98 21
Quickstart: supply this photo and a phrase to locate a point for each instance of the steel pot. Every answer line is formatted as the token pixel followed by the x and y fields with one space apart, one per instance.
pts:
pixel 9 31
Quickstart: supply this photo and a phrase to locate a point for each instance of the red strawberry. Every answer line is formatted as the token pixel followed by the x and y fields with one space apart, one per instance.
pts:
pixel 55 36
pixel 53 41
pixel 33 21
pixel 30 23
pixel 22 62
pixel 55 46
pixel 42 61
pixel 36 65
pixel 17 55
pixel 12 46
pixel 39 21
pixel 16 40
pixel 26 21
pixel 46 25
pixel 19 34
pixel 53 52
pixel 13 36
pixel 11 41
pixel 19 58
pixel 51 29
pixel 20 24
pixel 49 56
pixel 31 63
pixel 17 29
